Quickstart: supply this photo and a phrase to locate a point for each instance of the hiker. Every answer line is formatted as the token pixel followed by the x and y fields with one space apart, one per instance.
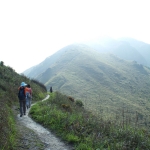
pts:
pixel 28 93
pixel 51 90
pixel 22 98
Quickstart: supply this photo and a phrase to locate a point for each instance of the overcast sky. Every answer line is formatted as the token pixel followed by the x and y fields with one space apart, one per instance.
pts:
pixel 31 30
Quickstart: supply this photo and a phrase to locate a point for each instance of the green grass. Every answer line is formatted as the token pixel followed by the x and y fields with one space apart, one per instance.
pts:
pixel 84 130
pixel 8 130
pixel 9 83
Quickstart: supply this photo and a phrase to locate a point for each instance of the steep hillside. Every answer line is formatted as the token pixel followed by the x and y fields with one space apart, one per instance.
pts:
pixel 9 83
pixel 100 80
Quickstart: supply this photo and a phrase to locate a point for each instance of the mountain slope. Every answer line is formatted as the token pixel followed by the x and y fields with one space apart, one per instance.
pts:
pixel 125 48
pixel 99 80
pixel 125 51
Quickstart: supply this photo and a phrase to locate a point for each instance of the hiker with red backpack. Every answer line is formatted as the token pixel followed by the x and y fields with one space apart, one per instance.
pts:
pixel 22 98
pixel 28 93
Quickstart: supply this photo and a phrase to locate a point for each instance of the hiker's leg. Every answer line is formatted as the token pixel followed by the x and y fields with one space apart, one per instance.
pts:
pixel 24 106
pixel 29 102
pixel 21 107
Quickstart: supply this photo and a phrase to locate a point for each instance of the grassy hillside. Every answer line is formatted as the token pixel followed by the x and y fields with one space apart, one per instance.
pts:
pixel 83 130
pixel 9 83
pixel 101 81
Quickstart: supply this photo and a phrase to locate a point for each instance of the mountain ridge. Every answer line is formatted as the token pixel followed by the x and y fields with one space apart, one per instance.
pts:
pixel 99 79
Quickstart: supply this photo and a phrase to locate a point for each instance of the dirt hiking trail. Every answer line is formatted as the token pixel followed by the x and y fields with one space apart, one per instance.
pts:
pixel 36 137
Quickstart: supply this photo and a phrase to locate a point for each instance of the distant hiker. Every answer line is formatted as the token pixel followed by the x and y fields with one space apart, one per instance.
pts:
pixel 22 98
pixel 51 90
pixel 28 93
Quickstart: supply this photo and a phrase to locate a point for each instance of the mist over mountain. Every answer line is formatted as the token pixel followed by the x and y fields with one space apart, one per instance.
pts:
pixel 98 79
pixel 125 48
pixel 142 47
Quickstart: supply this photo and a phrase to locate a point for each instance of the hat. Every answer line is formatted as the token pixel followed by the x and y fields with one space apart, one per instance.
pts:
pixel 23 84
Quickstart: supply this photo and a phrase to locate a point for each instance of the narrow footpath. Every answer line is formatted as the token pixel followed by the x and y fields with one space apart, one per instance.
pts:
pixel 36 137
